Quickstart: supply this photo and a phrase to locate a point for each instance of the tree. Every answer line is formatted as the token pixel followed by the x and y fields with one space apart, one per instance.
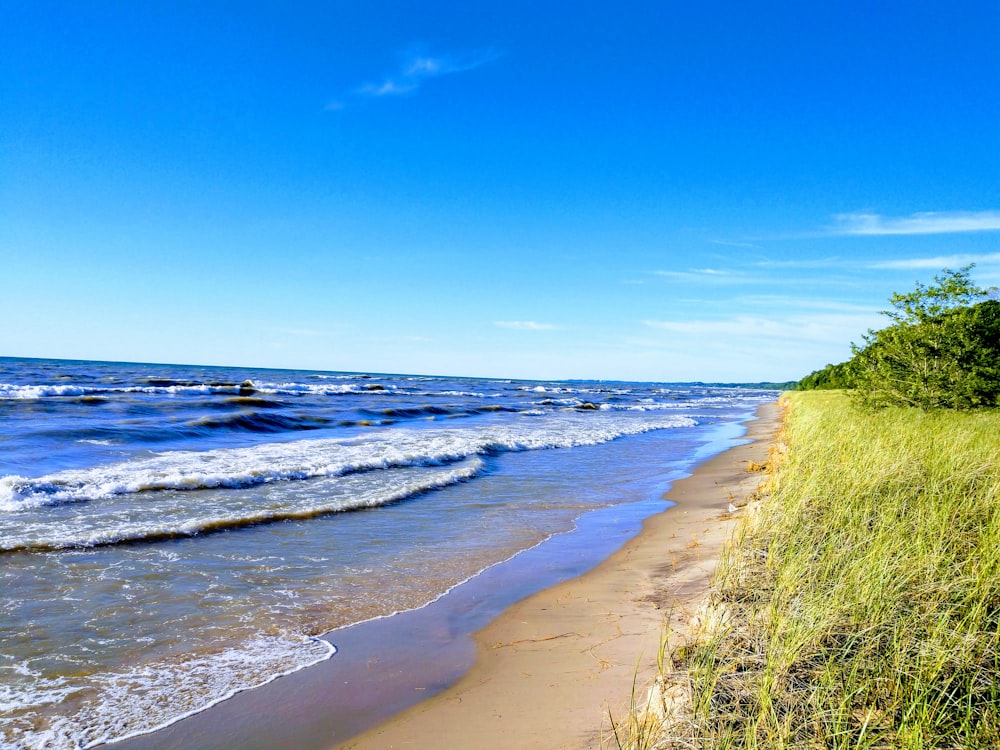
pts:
pixel 952 289
pixel 942 351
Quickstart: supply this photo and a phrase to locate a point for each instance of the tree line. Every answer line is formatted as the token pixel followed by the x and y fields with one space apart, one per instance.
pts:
pixel 941 350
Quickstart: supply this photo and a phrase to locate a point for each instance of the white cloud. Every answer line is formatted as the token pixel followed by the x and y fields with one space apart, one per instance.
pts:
pixel 929 222
pixel 830 262
pixel 426 66
pixel 777 301
pixel 938 262
pixel 416 68
pixel 388 87
pixel 423 66
pixel 703 274
pixel 728 243
pixel 524 325
pixel 798 330
pixel 748 347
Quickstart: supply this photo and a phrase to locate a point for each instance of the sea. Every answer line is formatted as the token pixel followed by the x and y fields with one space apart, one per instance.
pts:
pixel 171 535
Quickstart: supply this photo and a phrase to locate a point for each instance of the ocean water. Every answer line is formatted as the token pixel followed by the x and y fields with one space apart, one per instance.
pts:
pixel 170 535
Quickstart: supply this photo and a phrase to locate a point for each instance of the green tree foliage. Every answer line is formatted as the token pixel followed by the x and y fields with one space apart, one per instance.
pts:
pixel 831 376
pixel 942 350
pixel 951 290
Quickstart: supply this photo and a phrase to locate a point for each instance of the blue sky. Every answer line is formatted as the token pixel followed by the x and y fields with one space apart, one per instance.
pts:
pixel 638 190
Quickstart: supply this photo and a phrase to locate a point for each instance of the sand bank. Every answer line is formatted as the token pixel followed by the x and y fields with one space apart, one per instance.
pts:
pixel 551 667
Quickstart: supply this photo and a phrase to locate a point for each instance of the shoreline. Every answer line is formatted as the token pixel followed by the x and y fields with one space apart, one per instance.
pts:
pixel 552 668
pixel 374 683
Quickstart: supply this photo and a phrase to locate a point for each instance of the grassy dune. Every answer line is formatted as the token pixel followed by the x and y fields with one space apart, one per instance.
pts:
pixel 861 596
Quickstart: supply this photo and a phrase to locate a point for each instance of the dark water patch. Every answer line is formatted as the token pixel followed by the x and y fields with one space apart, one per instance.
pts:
pixel 255 401
pixel 250 421
pixel 111 434
pixel 365 422
pixel 143 432
pixel 415 412
pixel 92 400
pixel 494 408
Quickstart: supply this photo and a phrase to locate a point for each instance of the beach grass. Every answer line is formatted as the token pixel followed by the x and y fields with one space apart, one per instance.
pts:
pixel 861 594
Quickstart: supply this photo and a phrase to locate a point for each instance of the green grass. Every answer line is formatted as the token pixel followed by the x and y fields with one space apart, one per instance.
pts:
pixel 865 592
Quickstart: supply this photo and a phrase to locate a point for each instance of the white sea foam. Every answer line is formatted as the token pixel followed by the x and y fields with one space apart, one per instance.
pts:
pixel 12 392
pixel 569 402
pixel 325 389
pixel 9 391
pixel 130 702
pixel 647 406
pixel 94 526
pixel 546 389
pixel 15 693
pixel 306 459
pixel 281 389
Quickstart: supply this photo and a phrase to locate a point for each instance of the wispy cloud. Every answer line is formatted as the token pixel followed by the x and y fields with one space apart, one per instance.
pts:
pixel 782 302
pixel 710 275
pixel 388 87
pixel 416 67
pixel 830 262
pixel 826 328
pixel 729 243
pixel 930 222
pixel 938 262
pixel 525 325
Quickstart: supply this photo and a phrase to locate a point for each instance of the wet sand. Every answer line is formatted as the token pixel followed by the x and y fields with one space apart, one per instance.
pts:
pixel 550 669
pixel 541 672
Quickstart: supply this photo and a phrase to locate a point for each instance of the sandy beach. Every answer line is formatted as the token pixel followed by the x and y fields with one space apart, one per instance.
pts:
pixel 550 668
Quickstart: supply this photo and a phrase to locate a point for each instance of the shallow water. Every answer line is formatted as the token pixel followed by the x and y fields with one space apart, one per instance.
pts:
pixel 165 526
